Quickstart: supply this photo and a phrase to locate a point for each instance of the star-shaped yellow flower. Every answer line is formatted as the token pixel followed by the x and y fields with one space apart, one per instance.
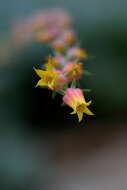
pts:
pixel 51 79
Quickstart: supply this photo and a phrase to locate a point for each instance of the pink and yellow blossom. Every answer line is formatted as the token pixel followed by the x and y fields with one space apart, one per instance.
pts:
pixel 75 99
pixel 77 53
pixel 59 45
pixel 73 71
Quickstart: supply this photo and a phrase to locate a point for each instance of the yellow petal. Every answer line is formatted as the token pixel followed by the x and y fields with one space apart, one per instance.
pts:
pixel 39 72
pixel 88 103
pixel 51 86
pixel 80 115
pixel 48 67
pixel 41 83
pixel 74 112
pixel 87 111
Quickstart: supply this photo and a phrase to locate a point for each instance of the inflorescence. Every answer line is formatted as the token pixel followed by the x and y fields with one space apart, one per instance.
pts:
pixel 64 70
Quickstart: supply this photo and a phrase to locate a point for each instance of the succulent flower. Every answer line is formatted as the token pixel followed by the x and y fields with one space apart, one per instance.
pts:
pixel 73 71
pixel 77 53
pixel 50 79
pixel 53 64
pixel 75 99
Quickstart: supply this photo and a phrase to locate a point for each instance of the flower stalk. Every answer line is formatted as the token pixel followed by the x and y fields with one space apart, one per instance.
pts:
pixel 64 70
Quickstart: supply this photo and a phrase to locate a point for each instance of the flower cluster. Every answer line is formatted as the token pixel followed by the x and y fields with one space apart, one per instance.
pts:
pixel 63 71
pixel 44 26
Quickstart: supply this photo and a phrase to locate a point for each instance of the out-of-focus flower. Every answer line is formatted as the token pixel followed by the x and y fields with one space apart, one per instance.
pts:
pixel 53 64
pixel 66 38
pixel 43 37
pixel 51 79
pixel 61 18
pixel 75 99
pixel 47 35
pixel 73 71
pixel 53 17
pixel 77 53
pixel 59 45
pixel 43 26
pixel 61 59
pixel 69 37
pixel 40 21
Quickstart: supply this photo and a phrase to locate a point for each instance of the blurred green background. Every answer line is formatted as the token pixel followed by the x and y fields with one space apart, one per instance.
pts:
pixel 26 111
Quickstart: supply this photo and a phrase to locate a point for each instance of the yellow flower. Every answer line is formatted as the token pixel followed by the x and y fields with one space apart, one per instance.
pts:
pixel 51 79
pixel 75 99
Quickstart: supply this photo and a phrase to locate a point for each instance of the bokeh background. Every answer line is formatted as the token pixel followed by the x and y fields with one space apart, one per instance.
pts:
pixel 41 145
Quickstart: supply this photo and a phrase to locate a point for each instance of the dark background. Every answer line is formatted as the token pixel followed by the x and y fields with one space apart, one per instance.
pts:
pixel 39 139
